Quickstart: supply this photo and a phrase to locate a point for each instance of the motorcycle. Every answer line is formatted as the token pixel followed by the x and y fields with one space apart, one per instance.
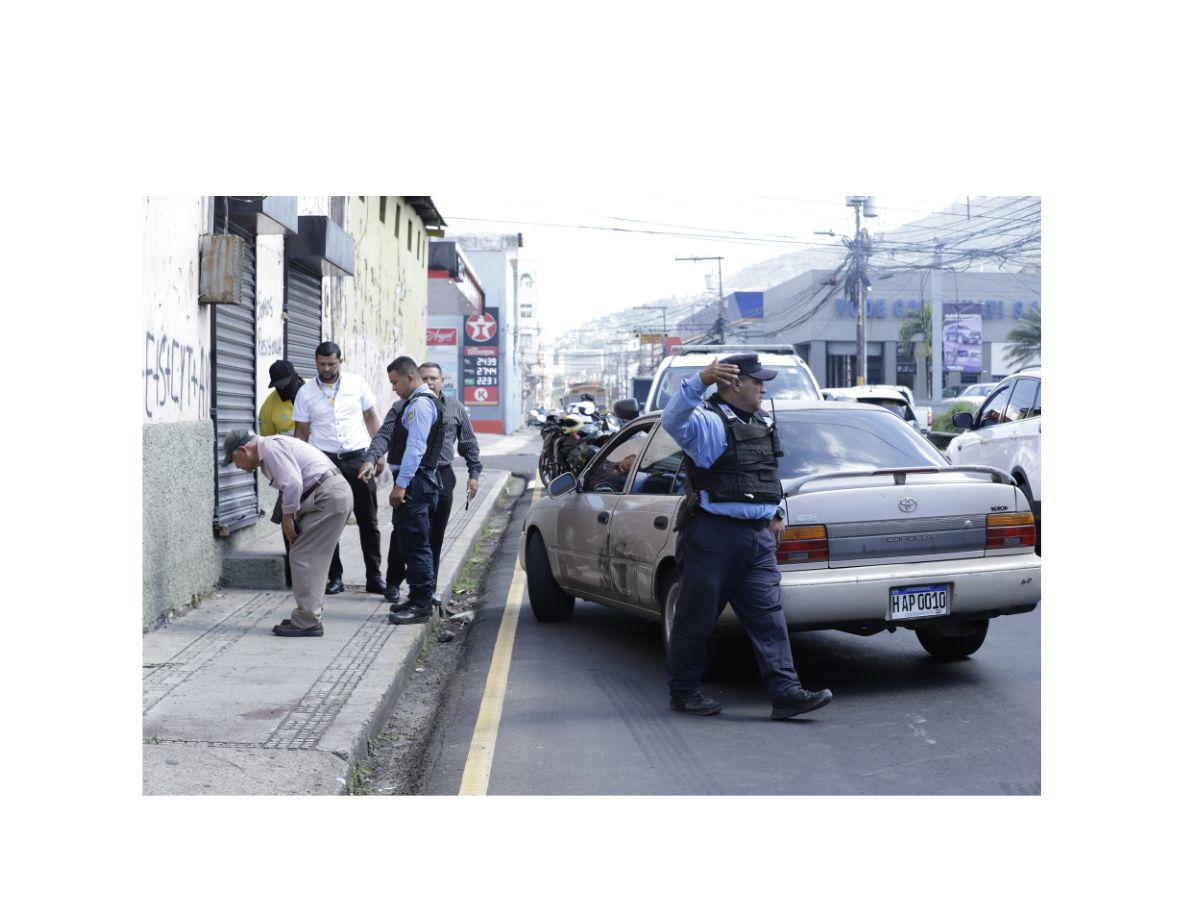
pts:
pixel 570 441
pixel 548 465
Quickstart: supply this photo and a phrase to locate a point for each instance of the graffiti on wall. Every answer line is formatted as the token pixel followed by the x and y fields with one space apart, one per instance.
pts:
pixel 175 376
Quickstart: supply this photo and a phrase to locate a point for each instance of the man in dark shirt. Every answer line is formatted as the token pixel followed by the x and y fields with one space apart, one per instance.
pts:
pixel 458 431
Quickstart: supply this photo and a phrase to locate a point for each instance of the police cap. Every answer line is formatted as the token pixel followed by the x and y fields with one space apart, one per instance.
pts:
pixel 749 366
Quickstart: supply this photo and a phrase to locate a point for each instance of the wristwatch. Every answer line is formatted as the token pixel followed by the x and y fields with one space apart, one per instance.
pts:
pixel 779 514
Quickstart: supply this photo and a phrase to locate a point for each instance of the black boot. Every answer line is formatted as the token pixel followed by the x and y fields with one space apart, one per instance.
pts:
pixel 697 703
pixel 797 701
pixel 410 612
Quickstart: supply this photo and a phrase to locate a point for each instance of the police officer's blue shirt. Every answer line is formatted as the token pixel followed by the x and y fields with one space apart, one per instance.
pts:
pixel 701 434
pixel 418 419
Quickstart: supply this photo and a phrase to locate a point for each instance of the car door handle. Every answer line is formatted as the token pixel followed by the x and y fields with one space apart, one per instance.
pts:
pixel 603 517
pixel 661 522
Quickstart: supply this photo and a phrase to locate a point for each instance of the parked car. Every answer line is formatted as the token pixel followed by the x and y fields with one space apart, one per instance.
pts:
pixel 882 533
pixel 794 382
pixel 1006 433
pixel 889 398
pixel 924 413
pixel 975 394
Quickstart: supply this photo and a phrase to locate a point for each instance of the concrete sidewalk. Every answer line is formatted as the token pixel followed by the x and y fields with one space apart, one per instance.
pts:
pixel 229 708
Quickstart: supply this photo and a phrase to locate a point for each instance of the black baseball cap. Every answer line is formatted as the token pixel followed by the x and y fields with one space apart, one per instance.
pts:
pixel 236 438
pixel 749 366
pixel 282 372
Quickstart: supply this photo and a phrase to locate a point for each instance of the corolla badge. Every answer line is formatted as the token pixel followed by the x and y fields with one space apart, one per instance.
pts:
pixel 908 504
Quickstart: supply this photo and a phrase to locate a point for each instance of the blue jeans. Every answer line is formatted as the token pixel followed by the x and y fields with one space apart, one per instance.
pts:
pixel 412 522
pixel 723 561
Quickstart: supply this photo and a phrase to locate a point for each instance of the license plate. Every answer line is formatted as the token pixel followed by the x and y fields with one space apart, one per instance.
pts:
pixel 919 601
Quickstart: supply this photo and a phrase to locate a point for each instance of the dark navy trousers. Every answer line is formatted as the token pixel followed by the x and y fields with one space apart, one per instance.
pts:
pixel 723 561
pixel 411 523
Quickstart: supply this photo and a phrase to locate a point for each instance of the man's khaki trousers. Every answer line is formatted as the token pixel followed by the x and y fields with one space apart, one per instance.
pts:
pixel 322 516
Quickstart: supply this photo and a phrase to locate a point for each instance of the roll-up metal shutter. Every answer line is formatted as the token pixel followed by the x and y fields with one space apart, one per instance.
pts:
pixel 302 327
pixel 233 376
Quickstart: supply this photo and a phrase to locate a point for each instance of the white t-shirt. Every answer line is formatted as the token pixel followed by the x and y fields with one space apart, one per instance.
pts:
pixel 335 413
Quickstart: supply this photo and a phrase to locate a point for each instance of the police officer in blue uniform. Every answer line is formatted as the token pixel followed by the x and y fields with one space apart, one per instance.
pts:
pixel 413 450
pixel 730 525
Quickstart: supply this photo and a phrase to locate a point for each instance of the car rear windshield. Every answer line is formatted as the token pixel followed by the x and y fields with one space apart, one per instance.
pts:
pixel 899 407
pixel 818 440
pixel 792 383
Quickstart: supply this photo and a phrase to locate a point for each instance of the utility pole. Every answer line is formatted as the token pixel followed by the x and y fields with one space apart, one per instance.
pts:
pixel 722 319
pixel 860 249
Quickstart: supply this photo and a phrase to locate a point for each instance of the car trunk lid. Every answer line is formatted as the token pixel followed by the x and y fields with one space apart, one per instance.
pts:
pixel 900 515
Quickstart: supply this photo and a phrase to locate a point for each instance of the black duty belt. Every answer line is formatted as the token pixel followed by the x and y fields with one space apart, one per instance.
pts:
pixel 757 524
pixel 345 454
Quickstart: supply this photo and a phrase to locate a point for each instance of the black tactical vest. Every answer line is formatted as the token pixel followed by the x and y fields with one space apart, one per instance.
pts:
pixel 748 470
pixel 433 450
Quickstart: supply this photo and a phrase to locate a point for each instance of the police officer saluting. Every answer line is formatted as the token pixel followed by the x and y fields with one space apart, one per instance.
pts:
pixel 729 528
pixel 414 447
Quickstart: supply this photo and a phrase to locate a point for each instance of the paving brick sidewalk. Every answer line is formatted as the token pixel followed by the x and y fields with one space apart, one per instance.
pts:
pixel 228 708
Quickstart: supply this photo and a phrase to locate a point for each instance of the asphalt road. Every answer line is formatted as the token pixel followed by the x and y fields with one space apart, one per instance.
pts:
pixel 586 712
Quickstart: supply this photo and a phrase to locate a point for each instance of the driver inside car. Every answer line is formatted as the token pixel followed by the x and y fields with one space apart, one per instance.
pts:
pixel 611 476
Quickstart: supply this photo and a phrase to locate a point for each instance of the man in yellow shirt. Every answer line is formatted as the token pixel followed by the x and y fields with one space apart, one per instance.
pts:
pixel 275 416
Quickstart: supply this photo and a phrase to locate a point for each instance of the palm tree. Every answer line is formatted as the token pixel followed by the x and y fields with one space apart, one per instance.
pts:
pixel 1026 339
pixel 919 321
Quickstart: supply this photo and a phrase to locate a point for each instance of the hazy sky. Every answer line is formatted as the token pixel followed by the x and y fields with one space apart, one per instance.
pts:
pixel 584 273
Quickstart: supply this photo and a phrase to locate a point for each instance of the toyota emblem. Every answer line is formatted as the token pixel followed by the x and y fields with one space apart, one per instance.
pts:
pixel 908 504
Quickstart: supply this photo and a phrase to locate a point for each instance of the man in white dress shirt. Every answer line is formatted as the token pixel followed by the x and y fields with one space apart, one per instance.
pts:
pixel 336 414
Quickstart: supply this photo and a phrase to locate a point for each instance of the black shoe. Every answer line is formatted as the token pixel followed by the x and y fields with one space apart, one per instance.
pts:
pixel 410 612
pixel 392 594
pixel 287 629
pixel 697 704
pixel 334 586
pixel 798 701
pixel 376 586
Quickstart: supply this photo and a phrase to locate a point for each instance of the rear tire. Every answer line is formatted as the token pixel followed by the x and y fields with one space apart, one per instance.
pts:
pixel 670 599
pixel 953 646
pixel 549 602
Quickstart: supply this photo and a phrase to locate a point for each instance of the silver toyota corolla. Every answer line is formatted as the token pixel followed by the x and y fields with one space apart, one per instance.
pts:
pixel 882 532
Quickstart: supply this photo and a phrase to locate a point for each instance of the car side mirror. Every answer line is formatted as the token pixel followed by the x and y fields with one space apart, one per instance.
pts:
pixel 963 420
pixel 626 410
pixel 563 484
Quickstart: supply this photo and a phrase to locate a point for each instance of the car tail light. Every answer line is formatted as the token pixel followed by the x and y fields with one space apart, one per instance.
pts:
pixel 1008 530
pixel 804 544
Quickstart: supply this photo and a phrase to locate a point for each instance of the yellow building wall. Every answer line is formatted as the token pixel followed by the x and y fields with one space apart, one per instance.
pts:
pixel 379 314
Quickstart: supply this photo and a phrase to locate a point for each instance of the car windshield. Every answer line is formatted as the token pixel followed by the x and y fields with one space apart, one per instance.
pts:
pixel 792 383
pixel 819 440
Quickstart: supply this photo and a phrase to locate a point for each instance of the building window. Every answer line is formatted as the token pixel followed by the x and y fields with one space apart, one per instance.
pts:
pixel 410 235
pixel 396 230
pixel 383 210
pixel 526 310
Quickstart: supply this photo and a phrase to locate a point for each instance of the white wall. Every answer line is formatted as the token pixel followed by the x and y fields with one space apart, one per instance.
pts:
pixel 176 366
pixel 269 326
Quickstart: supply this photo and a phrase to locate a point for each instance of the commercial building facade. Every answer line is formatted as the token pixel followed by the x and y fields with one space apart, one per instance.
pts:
pixel 495 260
pixel 825 335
